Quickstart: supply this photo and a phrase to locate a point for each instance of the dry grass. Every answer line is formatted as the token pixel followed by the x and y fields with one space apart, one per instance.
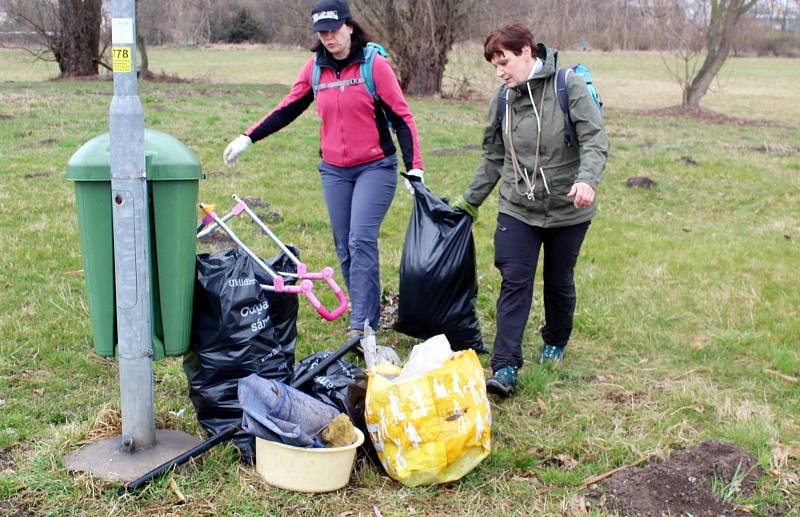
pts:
pixel 687 293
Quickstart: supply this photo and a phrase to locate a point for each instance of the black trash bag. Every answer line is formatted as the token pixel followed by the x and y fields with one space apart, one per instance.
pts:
pixel 238 329
pixel 282 307
pixel 329 386
pixel 342 385
pixel 438 280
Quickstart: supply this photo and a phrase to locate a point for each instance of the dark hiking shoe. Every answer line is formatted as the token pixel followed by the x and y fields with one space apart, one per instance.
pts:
pixel 551 355
pixel 480 348
pixel 503 381
pixel 351 333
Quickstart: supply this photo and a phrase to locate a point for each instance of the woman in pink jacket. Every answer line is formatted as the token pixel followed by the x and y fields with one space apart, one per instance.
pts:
pixel 359 159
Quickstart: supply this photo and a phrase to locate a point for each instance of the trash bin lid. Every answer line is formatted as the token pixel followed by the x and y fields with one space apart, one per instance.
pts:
pixel 167 158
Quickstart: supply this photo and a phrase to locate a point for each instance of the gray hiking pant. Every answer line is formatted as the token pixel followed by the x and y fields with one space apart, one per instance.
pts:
pixel 358 199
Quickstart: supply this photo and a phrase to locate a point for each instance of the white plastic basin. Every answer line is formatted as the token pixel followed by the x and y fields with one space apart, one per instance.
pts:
pixel 303 469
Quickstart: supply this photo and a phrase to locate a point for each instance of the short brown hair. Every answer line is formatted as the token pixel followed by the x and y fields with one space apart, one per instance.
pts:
pixel 511 36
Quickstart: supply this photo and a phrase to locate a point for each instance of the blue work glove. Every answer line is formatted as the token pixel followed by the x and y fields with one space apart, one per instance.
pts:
pixel 461 204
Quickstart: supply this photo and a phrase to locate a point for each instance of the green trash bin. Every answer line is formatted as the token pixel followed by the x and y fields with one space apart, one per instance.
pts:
pixel 173 173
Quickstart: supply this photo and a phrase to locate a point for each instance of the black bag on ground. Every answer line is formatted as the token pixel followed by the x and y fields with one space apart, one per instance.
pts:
pixel 342 385
pixel 329 386
pixel 238 329
pixel 438 281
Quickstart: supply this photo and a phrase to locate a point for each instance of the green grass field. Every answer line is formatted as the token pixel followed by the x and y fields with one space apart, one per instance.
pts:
pixel 686 327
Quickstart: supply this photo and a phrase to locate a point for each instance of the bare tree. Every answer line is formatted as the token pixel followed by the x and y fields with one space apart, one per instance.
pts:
pixel 419 34
pixel 141 49
pixel 68 29
pixel 152 26
pixel 683 35
pixel 724 17
pixel 187 22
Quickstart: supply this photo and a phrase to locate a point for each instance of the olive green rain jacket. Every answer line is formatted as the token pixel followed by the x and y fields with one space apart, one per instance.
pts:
pixel 560 164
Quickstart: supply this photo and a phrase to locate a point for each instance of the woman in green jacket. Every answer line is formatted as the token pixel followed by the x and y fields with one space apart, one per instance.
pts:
pixel 548 179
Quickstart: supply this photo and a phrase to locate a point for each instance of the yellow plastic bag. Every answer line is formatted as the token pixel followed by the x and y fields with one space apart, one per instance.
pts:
pixel 432 428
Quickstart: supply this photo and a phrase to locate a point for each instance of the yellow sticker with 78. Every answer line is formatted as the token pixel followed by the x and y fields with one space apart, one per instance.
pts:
pixel 121 59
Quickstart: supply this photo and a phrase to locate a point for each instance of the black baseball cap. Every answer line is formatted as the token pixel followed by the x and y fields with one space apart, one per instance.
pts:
pixel 329 15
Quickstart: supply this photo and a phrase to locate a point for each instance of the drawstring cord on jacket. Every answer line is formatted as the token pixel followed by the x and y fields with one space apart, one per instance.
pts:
pixel 530 180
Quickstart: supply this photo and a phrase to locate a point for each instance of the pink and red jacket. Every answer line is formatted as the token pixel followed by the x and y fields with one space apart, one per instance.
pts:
pixel 355 126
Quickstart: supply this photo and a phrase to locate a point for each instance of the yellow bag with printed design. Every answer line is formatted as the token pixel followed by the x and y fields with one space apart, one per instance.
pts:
pixel 431 428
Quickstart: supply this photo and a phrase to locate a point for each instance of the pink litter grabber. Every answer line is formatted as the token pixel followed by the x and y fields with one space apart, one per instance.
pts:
pixel 306 279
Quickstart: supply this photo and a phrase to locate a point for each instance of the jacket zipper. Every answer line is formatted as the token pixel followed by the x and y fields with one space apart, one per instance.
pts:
pixel 339 117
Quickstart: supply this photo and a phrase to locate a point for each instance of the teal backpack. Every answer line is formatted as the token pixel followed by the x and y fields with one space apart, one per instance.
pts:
pixel 562 94
pixel 365 73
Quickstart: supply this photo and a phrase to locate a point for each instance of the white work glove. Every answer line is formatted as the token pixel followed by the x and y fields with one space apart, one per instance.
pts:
pixel 235 148
pixel 414 172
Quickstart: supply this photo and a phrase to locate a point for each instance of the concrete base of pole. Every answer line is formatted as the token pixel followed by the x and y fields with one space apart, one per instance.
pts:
pixel 106 460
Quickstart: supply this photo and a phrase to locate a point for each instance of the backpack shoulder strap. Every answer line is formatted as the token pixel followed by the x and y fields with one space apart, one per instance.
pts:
pixel 377 48
pixel 366 67
pixel 315 73
pixel 501 107
pixel 560 85
pixel 562 95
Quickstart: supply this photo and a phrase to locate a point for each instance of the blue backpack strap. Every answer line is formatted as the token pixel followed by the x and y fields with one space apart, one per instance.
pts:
pixel 562 95
pixel 366 67
pixel 315 73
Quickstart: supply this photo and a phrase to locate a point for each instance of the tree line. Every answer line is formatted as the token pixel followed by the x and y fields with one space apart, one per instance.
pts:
pixel 419 34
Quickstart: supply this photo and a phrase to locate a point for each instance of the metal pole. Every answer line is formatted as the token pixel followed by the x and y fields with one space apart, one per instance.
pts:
pixel 131 239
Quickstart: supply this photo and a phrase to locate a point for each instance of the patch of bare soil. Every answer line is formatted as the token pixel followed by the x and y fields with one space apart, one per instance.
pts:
pixel 198 92
pixel 5 459
pixel 37 175
pixel 9 509
pixel 712 117
pixel 690 482
pixel 219 239
pixel 5 117
pixel 223 174
pixel 625 397
pixel 776 149
pixel 269 217
pixel 160 77
pixel 256 202
pixel 163 77
pixel 641 182
pixel 389 305
pixel 688 160
pixel 456 150
pixel 262 210
pixel 771 149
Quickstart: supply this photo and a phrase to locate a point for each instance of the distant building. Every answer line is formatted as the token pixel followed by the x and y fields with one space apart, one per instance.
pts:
pixel 779 15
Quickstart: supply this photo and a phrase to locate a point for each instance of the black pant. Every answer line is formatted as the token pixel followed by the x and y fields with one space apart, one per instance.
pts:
pixel 516 252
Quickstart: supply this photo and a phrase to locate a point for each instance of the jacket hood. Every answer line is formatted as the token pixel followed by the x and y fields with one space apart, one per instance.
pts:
pixel 550 59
